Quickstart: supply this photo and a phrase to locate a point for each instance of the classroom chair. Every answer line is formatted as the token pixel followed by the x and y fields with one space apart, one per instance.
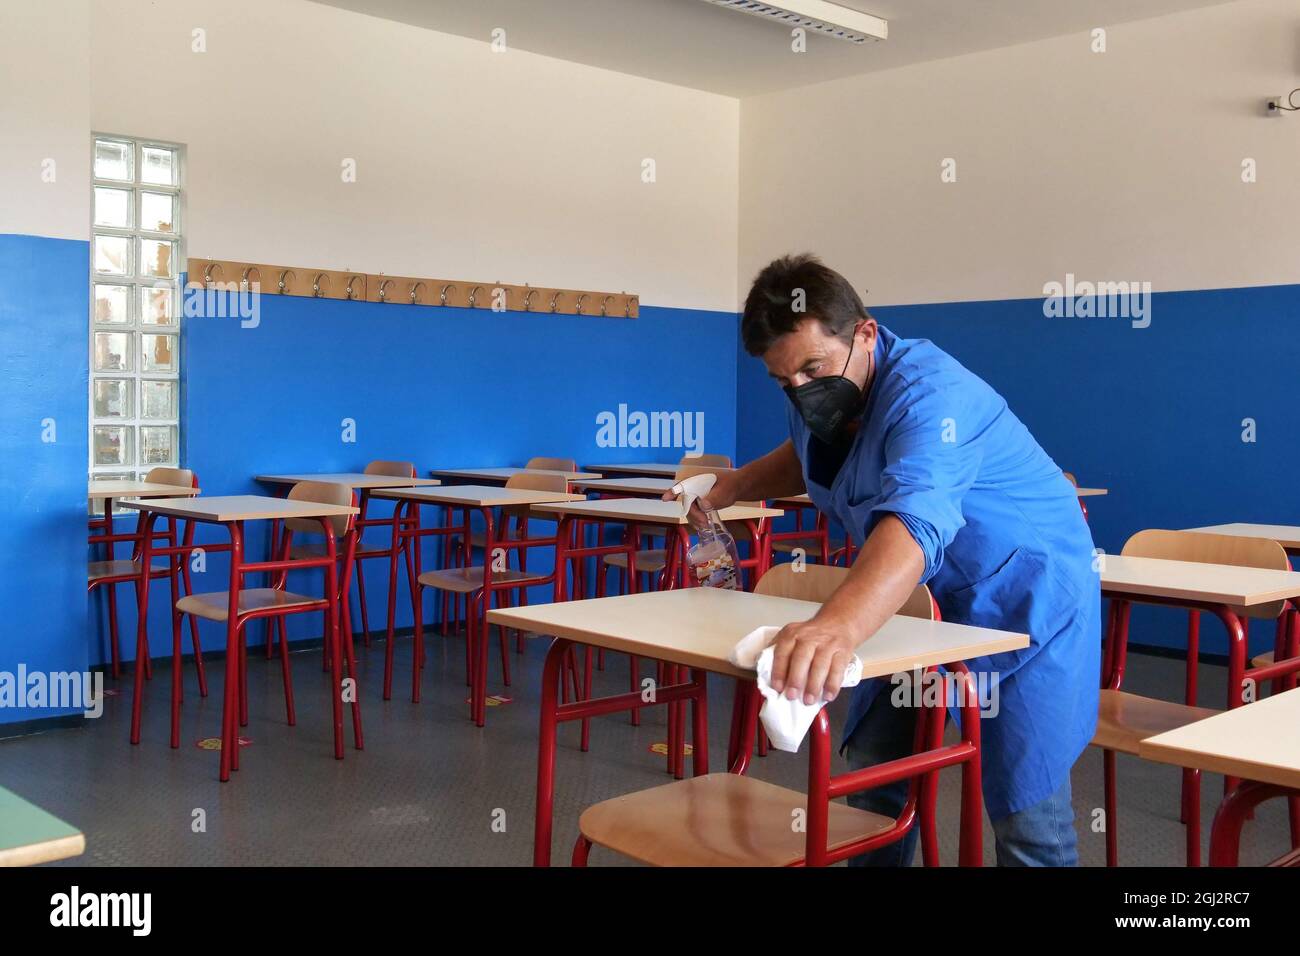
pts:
pixel 112 572
pixel 729 819
pixel 551 464
pixel 278 602
pixel 814 541
pixel 481 584
pixel 1125 719
pixel 707 461
pixel 371 550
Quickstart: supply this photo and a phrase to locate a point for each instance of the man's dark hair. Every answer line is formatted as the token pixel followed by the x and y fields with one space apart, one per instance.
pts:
pixel 771 309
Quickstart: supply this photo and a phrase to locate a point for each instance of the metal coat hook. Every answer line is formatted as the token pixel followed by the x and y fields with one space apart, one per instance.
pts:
pixel 579 303
pixel 350 292
pixel 473 295
pixel 315 284
pixel 604 306
pixel 555 299
pixel 627 307
pixel 283 286
pixel 383 289
pixel 443 294
pixel 415 292
pixel 207 272
pixel 528 300
pixel 243 278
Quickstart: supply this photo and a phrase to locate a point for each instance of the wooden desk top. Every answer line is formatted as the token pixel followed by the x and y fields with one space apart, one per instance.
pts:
pixel 239 508
pixel 476 496
pixel 1091 492
pixel 650 511
pixel 503 474
pixel 29 835
pixel 353 479
pixel 99 490
pixel 698 627
pixel 640 485
pixel 1259 741
pixel 1288 536
pixel 1196 582
pixel 656 470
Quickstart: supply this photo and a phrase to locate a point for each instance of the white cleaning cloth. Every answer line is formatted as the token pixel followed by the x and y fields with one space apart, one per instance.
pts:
pixel 786 721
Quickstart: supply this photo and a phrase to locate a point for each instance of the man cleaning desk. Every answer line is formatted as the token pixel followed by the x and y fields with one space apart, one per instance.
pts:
pixel 926 465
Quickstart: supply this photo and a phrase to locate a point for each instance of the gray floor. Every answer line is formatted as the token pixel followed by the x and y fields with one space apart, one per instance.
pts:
pixel 431 789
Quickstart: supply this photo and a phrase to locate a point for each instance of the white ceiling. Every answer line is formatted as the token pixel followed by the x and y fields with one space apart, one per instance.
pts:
pixel 696 44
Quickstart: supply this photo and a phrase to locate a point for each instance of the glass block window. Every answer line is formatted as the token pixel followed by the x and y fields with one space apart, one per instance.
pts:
pixel 136 257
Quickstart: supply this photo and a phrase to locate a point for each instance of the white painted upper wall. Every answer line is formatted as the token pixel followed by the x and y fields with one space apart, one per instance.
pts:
pixel 508 167
pixel 1118 165
pixel 45 118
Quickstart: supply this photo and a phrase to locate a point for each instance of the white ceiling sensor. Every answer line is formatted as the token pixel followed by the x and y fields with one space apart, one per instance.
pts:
pixel 817 15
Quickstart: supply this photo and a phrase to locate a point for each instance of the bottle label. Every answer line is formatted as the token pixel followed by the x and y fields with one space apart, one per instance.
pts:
pixel 719 572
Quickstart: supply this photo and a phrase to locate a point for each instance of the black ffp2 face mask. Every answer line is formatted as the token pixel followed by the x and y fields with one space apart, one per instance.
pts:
pixel 827 404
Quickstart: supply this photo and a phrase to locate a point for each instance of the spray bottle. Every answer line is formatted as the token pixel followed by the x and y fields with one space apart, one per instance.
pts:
pixel 714 558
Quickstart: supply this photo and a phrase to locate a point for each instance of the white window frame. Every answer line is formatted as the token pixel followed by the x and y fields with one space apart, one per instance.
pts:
pixel 134 327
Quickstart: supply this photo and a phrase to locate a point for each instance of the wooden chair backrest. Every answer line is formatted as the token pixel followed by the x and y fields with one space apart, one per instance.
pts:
pixel 321 492
pixel 391 469
pixel 720 461
pixel 1206 548
pixel 552 464
pixel 817 582
pixel 532 481
pixel 180 477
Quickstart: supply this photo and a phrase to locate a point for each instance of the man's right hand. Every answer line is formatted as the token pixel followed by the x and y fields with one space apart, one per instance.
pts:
pixel 722 495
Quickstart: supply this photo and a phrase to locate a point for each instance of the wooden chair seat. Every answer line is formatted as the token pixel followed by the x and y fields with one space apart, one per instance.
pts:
pixel 122 567
pixel 652 559
pixel 214 605
pixel 466 580
pixel 1262 660
pixel 1123 720
pixel 719 819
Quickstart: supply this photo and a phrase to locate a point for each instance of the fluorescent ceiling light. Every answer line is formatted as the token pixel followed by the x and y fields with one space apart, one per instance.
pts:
pixel 817 15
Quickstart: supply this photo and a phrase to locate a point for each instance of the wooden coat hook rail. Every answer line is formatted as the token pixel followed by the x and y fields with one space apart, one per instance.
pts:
pixel 410 290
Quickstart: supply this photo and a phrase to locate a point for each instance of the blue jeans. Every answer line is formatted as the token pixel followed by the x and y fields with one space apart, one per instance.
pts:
pixel 1041 835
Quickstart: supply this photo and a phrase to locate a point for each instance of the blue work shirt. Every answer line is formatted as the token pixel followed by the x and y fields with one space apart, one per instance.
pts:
pixel 1006 546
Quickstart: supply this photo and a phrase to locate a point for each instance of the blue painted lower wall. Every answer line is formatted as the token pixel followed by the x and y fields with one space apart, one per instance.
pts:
pixel 1154 414
pixel 440 387
pixel 44 310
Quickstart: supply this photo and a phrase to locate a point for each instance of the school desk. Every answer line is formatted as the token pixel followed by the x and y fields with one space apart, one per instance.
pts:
pixel 697 628
pixel 356 480
pixel 29 835
pixel 651 469
pixel 1288 536
pixel 483 499
pixel 1222 590
pixel 639 512
pixel 492 476
pixel 636 486
pixel 1258 743
pixel 108 491
pixel 232 512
